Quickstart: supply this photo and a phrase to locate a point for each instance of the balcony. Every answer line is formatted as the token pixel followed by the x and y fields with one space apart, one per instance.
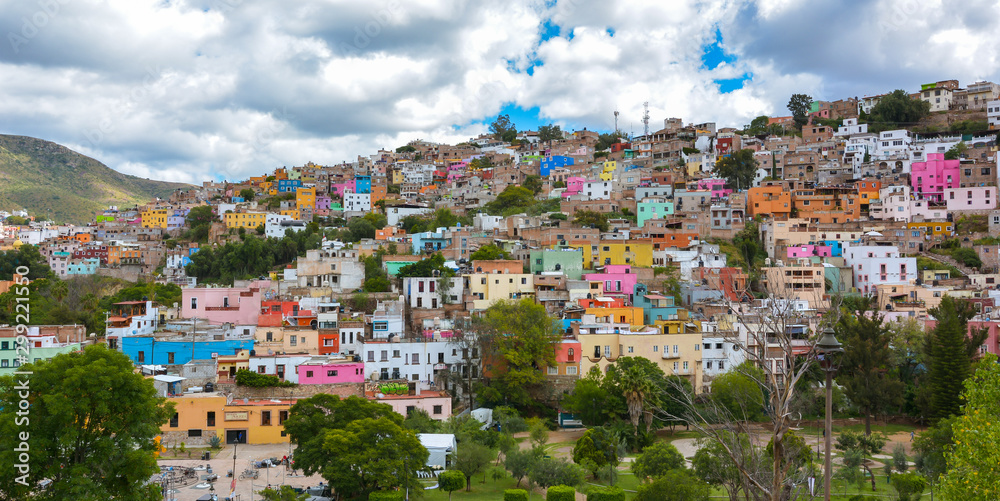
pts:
pixel 667 355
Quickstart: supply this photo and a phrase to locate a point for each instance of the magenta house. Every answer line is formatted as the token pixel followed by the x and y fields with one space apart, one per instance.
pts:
pixel 331 370
pixel 618 279
pixel 929 179
pixel 218 305
pixel 810 251
pixel 716 186
pixel 574 186
pixel 338 188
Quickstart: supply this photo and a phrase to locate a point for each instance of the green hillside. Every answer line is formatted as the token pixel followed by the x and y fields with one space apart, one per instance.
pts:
pixel 54 182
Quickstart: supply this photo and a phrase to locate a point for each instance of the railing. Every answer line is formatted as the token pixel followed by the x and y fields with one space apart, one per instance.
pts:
pixel 667 354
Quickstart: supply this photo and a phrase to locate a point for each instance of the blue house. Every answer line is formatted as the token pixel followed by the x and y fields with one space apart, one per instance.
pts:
pixel 149 350
pixel 429 241
pixel 836 247
pixel 553 162
pixel 288 185
pixel 363 184
pixel 654 307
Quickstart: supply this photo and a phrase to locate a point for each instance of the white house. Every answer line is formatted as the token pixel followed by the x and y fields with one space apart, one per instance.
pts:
pixel 357 202
pixel 873 265
pixel 425 292
pixel 395 214
pixel 597 190
pixel 993 114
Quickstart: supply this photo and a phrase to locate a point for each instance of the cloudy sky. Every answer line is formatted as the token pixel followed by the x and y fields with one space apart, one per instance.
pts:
pixel 189 90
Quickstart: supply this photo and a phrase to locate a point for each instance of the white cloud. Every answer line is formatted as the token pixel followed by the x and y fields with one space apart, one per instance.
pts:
pixel 189 89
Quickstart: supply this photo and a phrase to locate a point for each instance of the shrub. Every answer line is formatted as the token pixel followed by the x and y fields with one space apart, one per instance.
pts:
pixel 909 486
pixel 560 493
pixel 515 495
pixel 606 494
pixel 254 380
pixel 215 442
pixel 386 496
pixel 450 481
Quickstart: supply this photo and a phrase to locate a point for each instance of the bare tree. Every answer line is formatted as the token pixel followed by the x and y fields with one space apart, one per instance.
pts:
pixel 777 336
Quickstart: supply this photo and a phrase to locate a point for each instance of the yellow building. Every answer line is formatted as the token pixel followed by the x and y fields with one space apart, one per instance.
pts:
pixel 628 315
pixel 294 213
pixel 154 218
pixel 488 288
pixel 286 340
pixel 936 228
pixel 677 354
pixel 625 252
pixel 305 198
pixel 608 170
pixel 199 416
pixel 397 176
pixel 250 220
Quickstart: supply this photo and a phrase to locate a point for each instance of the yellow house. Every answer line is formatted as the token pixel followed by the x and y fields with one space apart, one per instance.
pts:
pixel 265 186
pixel 628 315
pixel 626 252
pixel 250 220
pixel 286 340
pixel 488 288
pixel 154 218
pixel 199 416
pixel 676 354
pixel 936 228
pixel 397 176
pixel 294 213
pixel 608 171
pixel 305 198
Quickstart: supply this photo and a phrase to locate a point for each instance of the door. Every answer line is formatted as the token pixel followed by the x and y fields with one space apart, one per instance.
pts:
pixel 232 372
pixel 236 436
pixel 281 372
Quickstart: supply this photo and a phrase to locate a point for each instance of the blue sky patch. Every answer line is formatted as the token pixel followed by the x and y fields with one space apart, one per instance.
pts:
pixel 713 55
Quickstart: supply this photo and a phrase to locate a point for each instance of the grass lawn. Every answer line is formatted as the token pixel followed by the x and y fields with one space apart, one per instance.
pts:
pixel 490 491
pixel 890 429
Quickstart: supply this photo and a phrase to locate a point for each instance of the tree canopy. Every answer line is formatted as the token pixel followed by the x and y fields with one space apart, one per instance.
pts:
pixel 950 349
pixel 91 429
pixel 489 252
pixel 503 129
pixel 799 105
pixel 973 459
pixel 596 219
pixel 739 169
pixel 513 197
pixel 897 109
pixel 549 132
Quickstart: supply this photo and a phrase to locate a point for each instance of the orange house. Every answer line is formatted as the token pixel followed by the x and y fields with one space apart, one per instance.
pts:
pixel 378 193
pixel 826 205
pixel 389 232
pixel 868 190
pixel 771 200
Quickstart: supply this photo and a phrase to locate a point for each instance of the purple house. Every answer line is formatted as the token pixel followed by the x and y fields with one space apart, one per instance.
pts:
pixel 618 280
pixel 331 370
pixel 323 202
pixel 810 251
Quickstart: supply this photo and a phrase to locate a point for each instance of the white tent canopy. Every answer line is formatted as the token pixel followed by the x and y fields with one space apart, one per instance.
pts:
pixel 440 446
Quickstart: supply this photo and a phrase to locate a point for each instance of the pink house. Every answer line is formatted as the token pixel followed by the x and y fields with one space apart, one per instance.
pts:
pixel 716 186
pixel 331 370
pixel 929 179
pixel 338 188
pixel 436 403
pixel 574 185
pixel 617 279
pixel 218 305
pixel 810 251
pixel 971 198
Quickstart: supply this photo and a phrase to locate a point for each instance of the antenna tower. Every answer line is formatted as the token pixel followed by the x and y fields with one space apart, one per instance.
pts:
pixel 645 118
pixel 616 121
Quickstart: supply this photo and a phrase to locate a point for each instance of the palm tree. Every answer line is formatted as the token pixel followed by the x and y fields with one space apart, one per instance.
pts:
pixel 636 390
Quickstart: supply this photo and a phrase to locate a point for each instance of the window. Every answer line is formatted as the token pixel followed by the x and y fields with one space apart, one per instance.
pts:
pixel 656 348
pixel 173 420
pixel 722 365
pixel 170 357
pixel 708 346
pixel 395 353
pixel 210 419
pixel 697 347
pixel 437 409
pixel 328 342
pixel 194 303
pixel 553 371
pixel 140 357
pixel 331 373
pixel 630 349
pixel 194 433
pixel 371 356
pixel 708 365
pixel 265 418
pixel 384 356
pixel 309 373
pixel 571 371
pixel 420 286
pixel 293 340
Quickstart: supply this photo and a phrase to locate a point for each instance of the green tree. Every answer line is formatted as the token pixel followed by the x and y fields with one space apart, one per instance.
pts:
pixel 247 194
pixel 425 268
pixel 972 461
pixel 549 132
pixel 489 253
pixel 502 127
pixel 898 109
pixel 548 472
pixel 310 419
pixel 519 462
pixel 738 169
pixel 675 485
pixel 930 447
pixel 25 255
pixel 713 462
pixel 968 257
pixel 420 421
pixel 91 428
pixel 955 152
pixel 370 455
pixel 595 219
pixel 199 220
pixel 533 183
pixel 406 149
pixel 656 460
pixel 604 141
pixel 283 493
pixel 472 458
pixel 950 349
pixel 517 340
pixel 799 105
pixel 451 481
pixel 757 126
pixel 910 486
pixel 588 398
pixel 866 362
pixel 596 449
pixel 739 392
pixel 512 198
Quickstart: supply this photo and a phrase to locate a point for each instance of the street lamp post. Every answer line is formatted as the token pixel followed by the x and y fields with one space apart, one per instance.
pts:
pixel 827 348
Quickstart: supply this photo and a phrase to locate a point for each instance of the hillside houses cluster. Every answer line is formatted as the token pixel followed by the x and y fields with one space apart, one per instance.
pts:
pixel 839 210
